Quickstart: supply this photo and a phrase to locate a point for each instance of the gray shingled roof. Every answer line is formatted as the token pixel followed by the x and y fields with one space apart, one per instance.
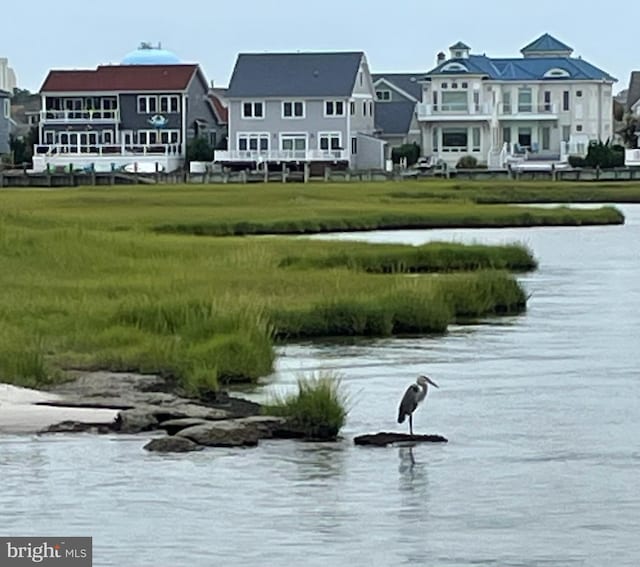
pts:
pixel 546 43
pixel 295 74
pixel 460 45
pixel 394 117
pixel 408 82
pixel 633 95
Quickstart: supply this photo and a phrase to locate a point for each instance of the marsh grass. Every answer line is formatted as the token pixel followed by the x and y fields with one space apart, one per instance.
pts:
pixel 318 410
pixel 89 281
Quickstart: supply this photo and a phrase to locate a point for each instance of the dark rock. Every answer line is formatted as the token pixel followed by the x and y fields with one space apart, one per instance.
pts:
pixel 189 410
pixel 269 426
pixel 135 421
pixel 229 433
pixel 76 427
pixel 172 426
pixel 384 439
pixel 172 445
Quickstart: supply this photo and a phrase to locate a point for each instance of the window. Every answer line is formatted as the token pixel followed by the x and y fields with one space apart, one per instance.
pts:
pixel 578 94
pixel 464 85
pixel 546 138
pixel 454 139
pixel 334 108
pixel 565 101
pixel 547 101
pixel 453 101
pixel 107 137
pixel 361 77
pixel 147 137
pixel 293 142
pixel 525 100
pixel 147 104
pixel 352 107
pixel 579 128
pixel 253 142
pixel 566 133
pixel 506 135
pixel 6 105
pixel 253 110
pixel 364 108
pixel 524 137
pixel 370 108
pixel 48 137
pixel 475 139
pixel 330 141
pixel 506 102
pixel 354 146
pixel 454 85
pixel 169 104
pixel 444 86
pixel 293 109
pixel 383 96
pixel 434 140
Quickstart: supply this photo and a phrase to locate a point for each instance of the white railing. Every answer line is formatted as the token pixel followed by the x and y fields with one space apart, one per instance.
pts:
pixel 632 157
pixel 462 109
pixel 80 115
pixel 527 109
pixel 498 157
pixel 260 156
pixel 108 150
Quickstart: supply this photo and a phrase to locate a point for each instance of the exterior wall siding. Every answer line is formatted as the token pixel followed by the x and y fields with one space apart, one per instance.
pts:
pixel 198 108
pixel 370 153
pixel 313 123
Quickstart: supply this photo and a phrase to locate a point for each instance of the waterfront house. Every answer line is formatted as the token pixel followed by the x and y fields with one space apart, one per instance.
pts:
pixel 397 95
pixel 542 106
pixel 5 121
pixel 139 115
pixel 291 109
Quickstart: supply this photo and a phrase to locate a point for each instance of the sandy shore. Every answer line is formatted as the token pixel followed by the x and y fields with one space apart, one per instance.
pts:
pixel 19 414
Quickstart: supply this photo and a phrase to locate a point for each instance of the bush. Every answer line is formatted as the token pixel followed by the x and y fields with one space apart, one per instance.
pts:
pixel 467 162
pixel 409 151
pixel 319 408
pixel 199 149
pixel 600 154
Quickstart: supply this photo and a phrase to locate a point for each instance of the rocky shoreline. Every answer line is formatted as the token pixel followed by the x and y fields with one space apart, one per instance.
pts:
pixel 128 403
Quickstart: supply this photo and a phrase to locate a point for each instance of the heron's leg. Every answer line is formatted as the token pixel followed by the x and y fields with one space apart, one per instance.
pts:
pixel 411 424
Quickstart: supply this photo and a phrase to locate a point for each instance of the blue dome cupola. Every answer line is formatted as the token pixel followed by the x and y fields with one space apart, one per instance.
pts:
pixel 148 54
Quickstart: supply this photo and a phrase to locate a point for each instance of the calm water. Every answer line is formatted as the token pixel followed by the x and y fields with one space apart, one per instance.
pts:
pixel 542 467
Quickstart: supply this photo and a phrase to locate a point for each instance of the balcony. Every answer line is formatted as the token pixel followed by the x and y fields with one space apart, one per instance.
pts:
pixel 99 150
pixel 75 116
pixel 546 111
pixel 453 112
pixel 261 156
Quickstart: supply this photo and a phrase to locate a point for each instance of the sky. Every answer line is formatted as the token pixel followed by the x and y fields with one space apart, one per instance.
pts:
pixel 397 36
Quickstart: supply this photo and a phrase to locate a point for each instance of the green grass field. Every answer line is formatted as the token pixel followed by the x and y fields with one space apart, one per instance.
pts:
pixel 114 278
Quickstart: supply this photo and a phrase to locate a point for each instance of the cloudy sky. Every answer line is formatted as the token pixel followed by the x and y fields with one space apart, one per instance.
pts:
pixel 398 35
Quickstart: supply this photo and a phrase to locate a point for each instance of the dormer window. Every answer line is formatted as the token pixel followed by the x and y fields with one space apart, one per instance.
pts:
pixel 383 95
pixel 454 68
pixel 557 73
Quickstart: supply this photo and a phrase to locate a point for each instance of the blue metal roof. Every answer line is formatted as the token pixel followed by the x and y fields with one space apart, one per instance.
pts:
pixel 546 43
pixel 295 74
pixel 149 55
pixel 523 69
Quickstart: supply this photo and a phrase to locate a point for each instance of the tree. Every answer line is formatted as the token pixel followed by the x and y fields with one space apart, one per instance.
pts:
pixel 199 149
pixel 631 125
pixel 22 147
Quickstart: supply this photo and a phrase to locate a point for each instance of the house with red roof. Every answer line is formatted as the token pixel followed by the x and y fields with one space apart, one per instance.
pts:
pixel 138 116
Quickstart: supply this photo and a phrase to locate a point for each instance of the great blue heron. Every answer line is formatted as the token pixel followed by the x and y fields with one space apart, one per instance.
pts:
pixel 412 397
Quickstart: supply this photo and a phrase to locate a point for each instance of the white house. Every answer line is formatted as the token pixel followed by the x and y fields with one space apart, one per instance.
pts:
pixel 542 106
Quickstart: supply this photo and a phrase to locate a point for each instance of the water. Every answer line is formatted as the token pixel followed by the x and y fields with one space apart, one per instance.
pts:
pixel 541 469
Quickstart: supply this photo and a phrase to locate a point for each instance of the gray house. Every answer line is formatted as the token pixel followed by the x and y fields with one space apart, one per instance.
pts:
pixel 5 121
pixel 139 115
pixel 297 108
pixel 397 95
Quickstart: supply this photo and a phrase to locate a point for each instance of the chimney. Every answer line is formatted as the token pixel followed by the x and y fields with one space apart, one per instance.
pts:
pixel 441 57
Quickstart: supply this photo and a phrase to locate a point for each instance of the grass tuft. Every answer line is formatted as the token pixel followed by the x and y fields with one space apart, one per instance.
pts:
pixel 318 409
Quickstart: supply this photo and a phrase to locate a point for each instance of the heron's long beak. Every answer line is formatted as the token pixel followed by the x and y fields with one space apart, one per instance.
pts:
pixel 431 382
